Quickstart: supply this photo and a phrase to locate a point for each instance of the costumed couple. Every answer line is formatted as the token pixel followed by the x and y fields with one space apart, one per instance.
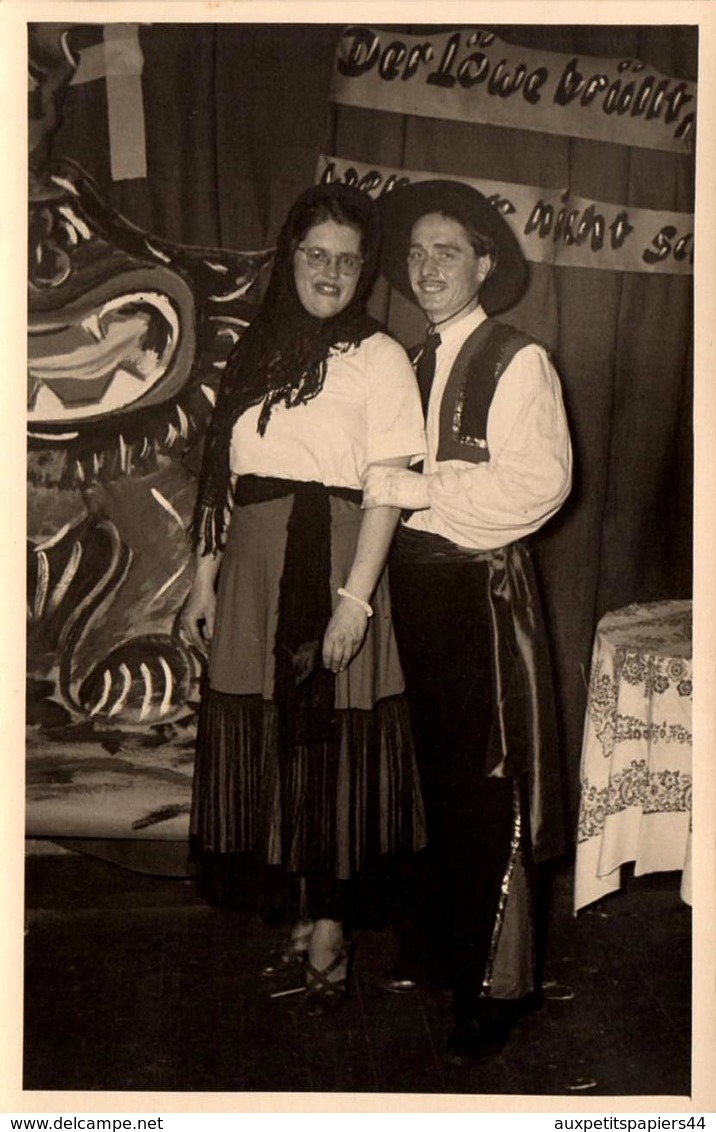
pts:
pixel 343 725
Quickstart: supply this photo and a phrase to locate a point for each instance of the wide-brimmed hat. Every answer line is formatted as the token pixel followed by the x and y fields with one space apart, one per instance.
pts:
pixel 401 207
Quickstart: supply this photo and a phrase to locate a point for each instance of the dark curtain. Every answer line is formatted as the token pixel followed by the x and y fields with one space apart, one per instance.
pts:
pixel 236 116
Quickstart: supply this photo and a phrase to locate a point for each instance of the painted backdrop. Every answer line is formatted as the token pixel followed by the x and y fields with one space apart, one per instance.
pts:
pixel 144 189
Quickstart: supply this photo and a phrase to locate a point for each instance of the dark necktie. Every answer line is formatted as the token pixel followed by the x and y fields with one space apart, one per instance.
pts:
pixel 425 369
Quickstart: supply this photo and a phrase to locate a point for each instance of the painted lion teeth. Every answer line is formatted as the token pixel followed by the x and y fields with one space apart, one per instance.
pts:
pixel 93 326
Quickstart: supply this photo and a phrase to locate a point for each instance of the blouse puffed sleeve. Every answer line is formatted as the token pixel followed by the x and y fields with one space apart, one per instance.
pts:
pixel 394 415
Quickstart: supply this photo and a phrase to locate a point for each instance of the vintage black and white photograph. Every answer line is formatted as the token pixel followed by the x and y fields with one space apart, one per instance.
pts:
pixel 360 527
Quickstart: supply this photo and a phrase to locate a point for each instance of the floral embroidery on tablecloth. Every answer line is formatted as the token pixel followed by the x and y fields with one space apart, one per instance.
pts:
pixel 602 703
pixel 655 673
pixel 665 791
pixel 678 669
pixel 655 676
pixel 629 728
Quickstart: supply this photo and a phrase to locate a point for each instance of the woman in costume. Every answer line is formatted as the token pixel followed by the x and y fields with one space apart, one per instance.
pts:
pixel 304 755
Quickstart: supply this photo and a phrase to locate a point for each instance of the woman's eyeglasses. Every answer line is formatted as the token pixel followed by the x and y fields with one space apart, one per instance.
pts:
pixel 318 259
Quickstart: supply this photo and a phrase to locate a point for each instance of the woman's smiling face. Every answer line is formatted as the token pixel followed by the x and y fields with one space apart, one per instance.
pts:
pixel 325 290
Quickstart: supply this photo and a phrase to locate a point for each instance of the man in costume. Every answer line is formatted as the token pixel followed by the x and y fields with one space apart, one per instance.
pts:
pixel 467 610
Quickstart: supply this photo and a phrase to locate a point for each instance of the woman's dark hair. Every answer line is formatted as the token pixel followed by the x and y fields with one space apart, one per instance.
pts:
pixel 282 356
pixel 316 212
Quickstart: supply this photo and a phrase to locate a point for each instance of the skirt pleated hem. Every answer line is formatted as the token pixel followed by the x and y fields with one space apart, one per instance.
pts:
pixel 333 809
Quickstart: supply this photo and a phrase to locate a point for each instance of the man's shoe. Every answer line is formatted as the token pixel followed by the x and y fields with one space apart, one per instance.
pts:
pixel 397 982
pixel 476 1040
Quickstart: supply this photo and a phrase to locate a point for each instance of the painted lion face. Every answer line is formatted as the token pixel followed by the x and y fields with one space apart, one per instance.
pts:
pixel 128 333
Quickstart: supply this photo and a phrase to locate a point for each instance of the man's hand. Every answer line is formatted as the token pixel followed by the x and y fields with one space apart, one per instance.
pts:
pixel 395 487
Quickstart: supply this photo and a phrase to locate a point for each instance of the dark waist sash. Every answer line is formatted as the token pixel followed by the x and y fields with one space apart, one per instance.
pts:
pixel 523 736
pixel 424 546
pixel 260 489
pixel 304 690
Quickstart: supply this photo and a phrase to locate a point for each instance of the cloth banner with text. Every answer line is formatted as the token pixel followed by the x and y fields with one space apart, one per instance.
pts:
pixel 472 75
pixel 556 226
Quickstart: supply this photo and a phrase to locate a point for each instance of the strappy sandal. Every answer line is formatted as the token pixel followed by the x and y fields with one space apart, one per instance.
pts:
pixel 286 959
pixel 324 995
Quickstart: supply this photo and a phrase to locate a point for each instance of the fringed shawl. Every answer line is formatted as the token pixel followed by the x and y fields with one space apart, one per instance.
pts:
pixel 281 358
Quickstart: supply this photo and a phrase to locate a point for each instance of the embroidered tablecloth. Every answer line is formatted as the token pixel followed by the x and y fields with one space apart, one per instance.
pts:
pixel 635 798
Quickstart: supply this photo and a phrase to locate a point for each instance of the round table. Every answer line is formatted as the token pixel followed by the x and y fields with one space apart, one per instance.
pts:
pixel 635 795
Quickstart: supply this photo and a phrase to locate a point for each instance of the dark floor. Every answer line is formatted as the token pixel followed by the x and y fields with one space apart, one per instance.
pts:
pixel 132 983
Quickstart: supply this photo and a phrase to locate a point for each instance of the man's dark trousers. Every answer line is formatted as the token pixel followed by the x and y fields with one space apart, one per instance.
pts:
pixel 441 617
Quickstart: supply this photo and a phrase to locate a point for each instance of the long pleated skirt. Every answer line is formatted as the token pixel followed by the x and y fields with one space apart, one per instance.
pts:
pixel 332 808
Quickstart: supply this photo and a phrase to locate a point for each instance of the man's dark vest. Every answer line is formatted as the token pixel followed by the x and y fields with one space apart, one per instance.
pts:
pixel 482 360
pixel 524 735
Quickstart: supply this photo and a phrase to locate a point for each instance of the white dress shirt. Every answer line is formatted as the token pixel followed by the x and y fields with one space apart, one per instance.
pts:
pixel 529 473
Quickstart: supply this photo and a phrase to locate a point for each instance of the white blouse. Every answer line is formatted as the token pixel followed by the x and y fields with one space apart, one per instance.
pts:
pixel 367 411
pixel 529 473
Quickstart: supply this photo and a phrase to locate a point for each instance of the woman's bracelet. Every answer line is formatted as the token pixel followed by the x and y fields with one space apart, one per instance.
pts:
pixel 345 593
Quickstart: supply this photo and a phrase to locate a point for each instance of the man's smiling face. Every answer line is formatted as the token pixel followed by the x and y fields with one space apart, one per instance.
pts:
pixel 444 269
